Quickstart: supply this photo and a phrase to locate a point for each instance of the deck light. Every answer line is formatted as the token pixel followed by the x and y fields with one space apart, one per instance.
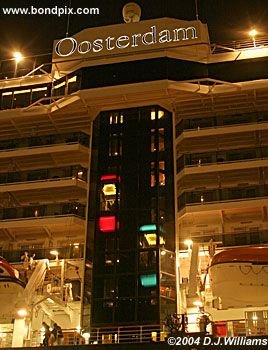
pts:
pixel 18 56
pixel 198 303
pixel 22 312
pixel 56 253
pixel 188 242
pixel 253 33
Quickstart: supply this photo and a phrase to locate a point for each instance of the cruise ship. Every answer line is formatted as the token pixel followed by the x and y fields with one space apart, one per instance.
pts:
pixel 133 175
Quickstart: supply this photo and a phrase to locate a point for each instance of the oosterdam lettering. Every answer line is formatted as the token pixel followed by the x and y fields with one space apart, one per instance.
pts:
pixel 122 42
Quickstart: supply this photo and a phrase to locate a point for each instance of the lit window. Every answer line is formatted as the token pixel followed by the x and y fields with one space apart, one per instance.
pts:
pixel 110 194
pixel 148 280
pixel 107 223
pixel 110 177
pixel 116 118
pixel 153 115
pixel 162 179
pixel 108 197
pixel 109 189
pixel 151 239
pixel 161 143
pixel 157 137
pixel 153 146
pixel 159 114
pixel 59 85
pixel 161 174
pixel 73 79
pixel 149 227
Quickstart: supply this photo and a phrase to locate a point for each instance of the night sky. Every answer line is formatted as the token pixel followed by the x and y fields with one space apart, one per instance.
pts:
pixel 227 20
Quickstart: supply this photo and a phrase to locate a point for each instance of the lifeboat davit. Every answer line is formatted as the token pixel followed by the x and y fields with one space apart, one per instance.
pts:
pixel 239 277
pixel 11 287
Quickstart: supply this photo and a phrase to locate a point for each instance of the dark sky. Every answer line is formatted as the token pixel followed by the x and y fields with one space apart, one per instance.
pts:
pixel 227 20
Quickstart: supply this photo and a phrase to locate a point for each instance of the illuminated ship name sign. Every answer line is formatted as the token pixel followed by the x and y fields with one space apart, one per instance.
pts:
pixel 70 46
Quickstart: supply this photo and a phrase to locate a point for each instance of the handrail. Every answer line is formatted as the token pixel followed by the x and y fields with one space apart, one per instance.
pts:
pixel 40 146
pixel 239 45
pixel 43 180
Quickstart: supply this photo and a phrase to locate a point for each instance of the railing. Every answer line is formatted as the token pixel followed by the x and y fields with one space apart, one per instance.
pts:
pixel 46 140
pixel 42 65
pixel 197 124
pixel 149 333
pixel 221 157
pixel 238 45
pixel 43 181
pixel 230 239
pixel 218 195
pixel 68 252
pixel 38 211
pixel 127 334
pixel 115 335
pixel 73 172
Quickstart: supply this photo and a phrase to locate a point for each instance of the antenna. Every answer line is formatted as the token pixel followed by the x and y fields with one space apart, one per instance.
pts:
pixel 196 10
pixel 68 20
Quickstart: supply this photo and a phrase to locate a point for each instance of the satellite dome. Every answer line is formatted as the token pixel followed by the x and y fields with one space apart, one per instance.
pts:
pixel 131 12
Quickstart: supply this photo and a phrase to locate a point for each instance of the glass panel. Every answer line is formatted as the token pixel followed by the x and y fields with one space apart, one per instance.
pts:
pixel 21 98
pixel 7 99
pixel 125 312
pixel 45 140
pixel 73 84
pixel 108 197
pixel 162 179
pixel 161 141
pixel 147 260
pixel 115 145
pixel 256 323
pixel 39 93
pixel 109 288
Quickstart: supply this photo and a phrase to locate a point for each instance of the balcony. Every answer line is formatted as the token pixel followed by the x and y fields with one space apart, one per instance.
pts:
pixel 45 140
pixel 69 252
pixel 44 152
pixel 74 172
pixel 227 239
pixel 203 199
pixel 204 160
pixel 43 215
pixel 20 97
pixel 44 186
pixel 238 122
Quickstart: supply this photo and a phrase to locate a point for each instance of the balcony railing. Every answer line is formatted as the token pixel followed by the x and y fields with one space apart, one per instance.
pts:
pixel 220 121
pixel 74 171
pixel 246 237
pixel 38 211
pixel 220 157
pixel 45 140
pixel 240 45
pixel 217 195
pixel 72 251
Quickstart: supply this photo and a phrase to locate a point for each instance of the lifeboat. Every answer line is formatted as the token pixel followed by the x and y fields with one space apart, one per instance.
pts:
pixel 11 287
pixel 239 277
